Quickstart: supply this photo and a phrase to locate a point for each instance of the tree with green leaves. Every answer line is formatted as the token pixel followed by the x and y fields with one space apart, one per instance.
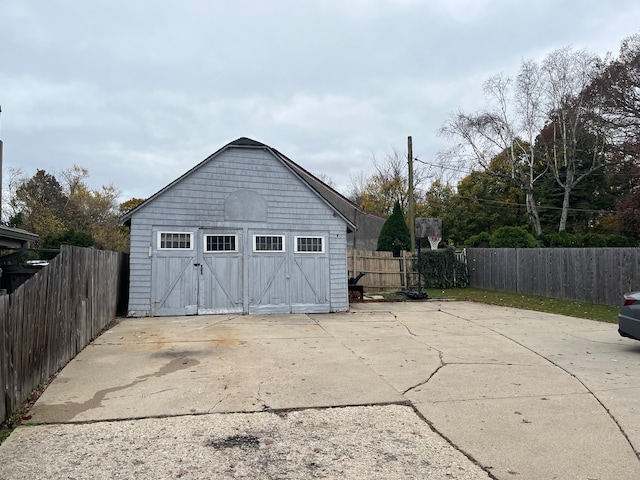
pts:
pixel 437 202
pixel 507 128
pixel 487 200
pixel 70 212
pixel 39 205
pixel 395 236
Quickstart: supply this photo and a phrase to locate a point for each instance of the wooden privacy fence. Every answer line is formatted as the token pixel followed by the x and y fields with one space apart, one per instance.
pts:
pixel 594 275
pixel 384 272
pixel 52 316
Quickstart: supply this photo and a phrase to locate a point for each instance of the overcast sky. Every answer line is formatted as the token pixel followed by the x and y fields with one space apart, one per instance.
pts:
pixel 140 91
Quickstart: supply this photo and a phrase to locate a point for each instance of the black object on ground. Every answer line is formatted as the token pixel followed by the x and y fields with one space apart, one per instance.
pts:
pixel 413 295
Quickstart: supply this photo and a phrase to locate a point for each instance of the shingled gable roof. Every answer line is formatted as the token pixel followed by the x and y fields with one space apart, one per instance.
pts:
pixel 326 193
pixel 332 196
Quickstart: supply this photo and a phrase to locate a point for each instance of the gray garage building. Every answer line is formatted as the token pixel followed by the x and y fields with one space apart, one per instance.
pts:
pixel 242 232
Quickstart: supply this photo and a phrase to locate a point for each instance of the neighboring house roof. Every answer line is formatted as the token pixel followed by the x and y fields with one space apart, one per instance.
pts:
pixel 15 237
pixel 334 199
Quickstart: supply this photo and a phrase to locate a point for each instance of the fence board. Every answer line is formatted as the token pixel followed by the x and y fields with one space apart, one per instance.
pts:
pixel 52 316
pixel 594 275
pixel 384 272
pixel 4 347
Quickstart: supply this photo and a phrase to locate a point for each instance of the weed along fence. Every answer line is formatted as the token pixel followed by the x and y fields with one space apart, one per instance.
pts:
pixel 52 316
pixel 593 275
pixel 383 272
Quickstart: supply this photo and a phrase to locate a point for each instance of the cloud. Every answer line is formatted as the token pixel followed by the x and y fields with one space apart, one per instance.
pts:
pixel 139 92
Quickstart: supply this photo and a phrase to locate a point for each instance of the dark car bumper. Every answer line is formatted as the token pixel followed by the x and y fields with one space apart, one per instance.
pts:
pixel 629 327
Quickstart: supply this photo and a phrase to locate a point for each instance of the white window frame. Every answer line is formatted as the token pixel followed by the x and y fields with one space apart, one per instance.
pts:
pixel 295 243
pixel 235 238
pixel 255 238
pixel 164 232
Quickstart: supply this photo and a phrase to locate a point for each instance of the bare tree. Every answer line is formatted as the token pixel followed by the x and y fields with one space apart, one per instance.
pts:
pixel 573 150
pixel 326 179
pixel 10 205
pixel 507 127
pixel 388 183
pixel 540 122
pixel 357 185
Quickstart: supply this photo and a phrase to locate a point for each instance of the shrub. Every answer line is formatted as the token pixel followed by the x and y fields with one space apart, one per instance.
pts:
pixel 512 237
pixel 441 269
pixel 595 240
pixel 621 241
pixel 482 240
pixel 590 240
pixel 563 240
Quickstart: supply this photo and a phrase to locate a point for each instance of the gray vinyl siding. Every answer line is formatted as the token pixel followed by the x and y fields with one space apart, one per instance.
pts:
pixel 198 201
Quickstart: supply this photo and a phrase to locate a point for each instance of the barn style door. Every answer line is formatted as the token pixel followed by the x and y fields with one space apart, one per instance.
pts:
pixel 309 285
pixel 288 273
pixel 174 273
pixel 234 271
pixel 268 278
pixel 221 273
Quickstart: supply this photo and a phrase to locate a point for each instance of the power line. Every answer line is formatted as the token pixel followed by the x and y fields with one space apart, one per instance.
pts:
pixel 512 204
pixel 543 207
pixel 469 170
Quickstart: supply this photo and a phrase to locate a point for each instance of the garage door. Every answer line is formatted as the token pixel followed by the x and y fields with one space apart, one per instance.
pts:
pixel 174 273
pixel 209 271
pixel 288 273
pixel 221 275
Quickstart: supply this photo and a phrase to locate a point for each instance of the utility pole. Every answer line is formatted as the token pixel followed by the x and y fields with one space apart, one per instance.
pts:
pixel 412 213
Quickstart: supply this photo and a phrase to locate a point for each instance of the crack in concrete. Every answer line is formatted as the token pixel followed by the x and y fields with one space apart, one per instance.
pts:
pixel 450 442
pixel 217 403
pixel 415 336
pixel 406 327
pixel 259 398
pixel 442 364
pixel 160 391
pixel 353 352
pixel 571 374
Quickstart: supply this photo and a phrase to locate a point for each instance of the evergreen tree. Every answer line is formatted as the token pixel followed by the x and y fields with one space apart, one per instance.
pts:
pixel 395 235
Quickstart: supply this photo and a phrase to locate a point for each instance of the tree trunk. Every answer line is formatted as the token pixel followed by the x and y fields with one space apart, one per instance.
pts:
pixel 565 208
pixel 568 185
pixel 532 211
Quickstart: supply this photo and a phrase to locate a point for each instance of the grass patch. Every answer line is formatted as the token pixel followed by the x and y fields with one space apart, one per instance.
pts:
pixel 391 296
pixel 570 308
pixel 10 424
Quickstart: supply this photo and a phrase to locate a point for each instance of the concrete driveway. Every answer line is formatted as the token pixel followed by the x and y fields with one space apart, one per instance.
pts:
pixel 389 390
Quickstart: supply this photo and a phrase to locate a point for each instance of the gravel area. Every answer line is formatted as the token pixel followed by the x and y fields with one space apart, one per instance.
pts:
pixel 382 442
